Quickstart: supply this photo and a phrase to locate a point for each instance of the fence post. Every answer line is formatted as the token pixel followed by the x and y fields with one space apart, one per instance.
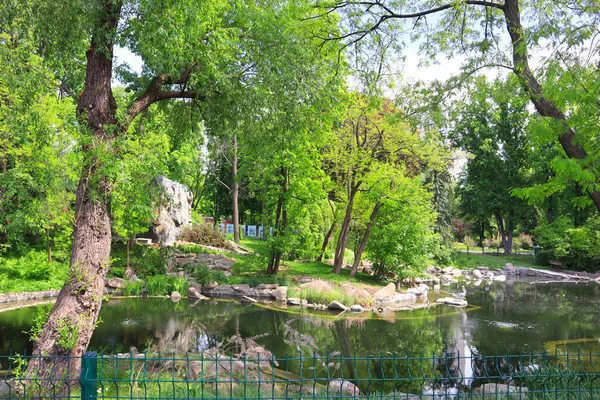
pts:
pixel 89 375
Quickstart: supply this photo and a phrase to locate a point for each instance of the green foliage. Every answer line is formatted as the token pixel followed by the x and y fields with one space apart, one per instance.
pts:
pixel 39 321
pixel 472 261
pixel 326 297
pixel 30 272
pixel 203 276
pixel 576 247
pixel 133 288
pixel 146 261
pixel 67 334
pixel 161 285
pixel 157 285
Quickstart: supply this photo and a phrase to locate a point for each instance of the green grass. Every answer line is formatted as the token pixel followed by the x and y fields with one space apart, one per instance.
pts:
pixel 31 272
pixel 326 297
pixel 254 266
pixel 471 261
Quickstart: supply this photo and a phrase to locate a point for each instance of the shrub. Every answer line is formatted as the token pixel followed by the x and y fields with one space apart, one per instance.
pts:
pixel 526 241
pixel 157 285
pixel 205 235
pixel 204 276
pixel 469 241
pixel 176 284
pixel 133 288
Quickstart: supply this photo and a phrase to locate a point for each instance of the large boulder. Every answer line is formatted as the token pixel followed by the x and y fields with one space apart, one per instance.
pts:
pixel 115 283
pixel 386 292
pixel 343 388
pixel 280 293
pixel 175 211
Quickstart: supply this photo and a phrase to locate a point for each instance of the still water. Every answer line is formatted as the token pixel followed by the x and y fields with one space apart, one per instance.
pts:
pixel 502 317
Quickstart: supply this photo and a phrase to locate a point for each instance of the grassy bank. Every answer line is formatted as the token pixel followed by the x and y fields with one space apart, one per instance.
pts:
pixel 31 272
pixel 472 261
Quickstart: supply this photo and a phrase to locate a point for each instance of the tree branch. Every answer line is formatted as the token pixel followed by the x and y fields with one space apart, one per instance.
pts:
pixel 155 93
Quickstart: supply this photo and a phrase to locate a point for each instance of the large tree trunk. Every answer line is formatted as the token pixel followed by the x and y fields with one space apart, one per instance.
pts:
pixel 364 240
pixel 74 316
pixel 506 234
pixel 543 105
pixel 343 237
pixel 235 193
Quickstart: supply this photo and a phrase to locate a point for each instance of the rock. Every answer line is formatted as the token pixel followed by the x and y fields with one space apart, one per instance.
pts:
pixel 345 388
pixel 295 301
pixel 336 305
pixel 173 214
pixel 243 288
pixel 194 293
pixel 457 272
pixel 115 283
pixel 436 287
pixel 280 293
pixel 477 274
pixel 267 286
pixel 357 308
pixel 175 296
pixel 500 278
pixel 483 269
pixel 247 299
pixel 211 285
pixel 129 272
pixel 451 301
pixel 516 392
pixel 477 282
pixel 317 285
pixel 489 275
pixel 386 292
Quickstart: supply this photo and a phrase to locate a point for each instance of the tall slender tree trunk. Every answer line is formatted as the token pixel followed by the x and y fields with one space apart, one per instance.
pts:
pixel 506 234
pixel 343 237
pixel 280 225
pixel 327 239
pixel 74 316
pixel 235 189
pixel 364 240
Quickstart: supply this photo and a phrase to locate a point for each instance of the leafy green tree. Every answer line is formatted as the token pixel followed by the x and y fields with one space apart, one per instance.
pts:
pixel 492 129
pixel 479 30
pixel 38 170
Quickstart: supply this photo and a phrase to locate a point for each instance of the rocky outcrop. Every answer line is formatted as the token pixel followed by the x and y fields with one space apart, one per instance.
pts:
pixel 214 262
pixel 237 291
pixel 174 213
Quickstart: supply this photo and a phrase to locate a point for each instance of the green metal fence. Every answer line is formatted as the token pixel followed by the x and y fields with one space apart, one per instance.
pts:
pixel 333 376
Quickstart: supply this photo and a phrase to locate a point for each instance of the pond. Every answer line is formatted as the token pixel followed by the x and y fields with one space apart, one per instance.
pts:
pixel 502 317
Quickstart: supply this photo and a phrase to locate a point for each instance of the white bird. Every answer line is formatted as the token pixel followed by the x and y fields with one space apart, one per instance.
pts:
pixel 460 296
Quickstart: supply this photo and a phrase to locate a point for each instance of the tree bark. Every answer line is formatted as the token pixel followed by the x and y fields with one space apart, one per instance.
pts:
pixel 506 234
pixel 235 193
pixel 74 316
pixel 343 237
pixel 544 106
pixel 280 225
pixel 365 238
pixel 326 240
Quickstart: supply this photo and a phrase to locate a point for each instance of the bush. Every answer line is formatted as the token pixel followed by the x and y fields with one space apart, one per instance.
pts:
pixel 526 241
pixel 157 285
pixel 469 241
pixel 204 234
pixel 146 261
pixel 204 276
pixel 133 288
pixel 577 248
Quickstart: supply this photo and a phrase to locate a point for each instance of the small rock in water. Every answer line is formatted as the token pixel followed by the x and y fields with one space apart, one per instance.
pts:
pixel 336 305
pixel 175 296
pixel 357 308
